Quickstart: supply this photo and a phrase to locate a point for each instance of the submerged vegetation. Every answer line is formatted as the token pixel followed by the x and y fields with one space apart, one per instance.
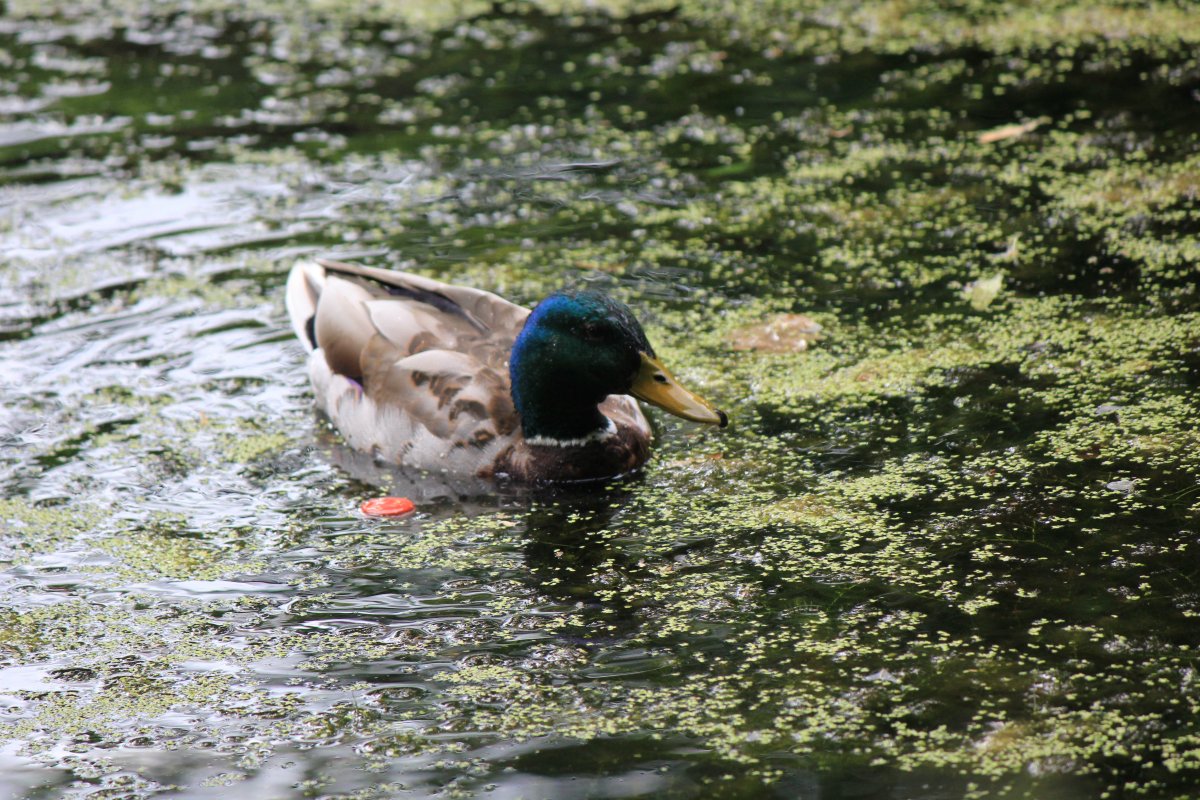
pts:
pixel 947 546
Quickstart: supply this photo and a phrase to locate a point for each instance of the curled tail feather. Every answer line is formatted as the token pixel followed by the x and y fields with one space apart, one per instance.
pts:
pixel 304 286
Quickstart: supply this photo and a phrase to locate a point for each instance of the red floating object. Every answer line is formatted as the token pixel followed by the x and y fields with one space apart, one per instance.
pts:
pixel 387 507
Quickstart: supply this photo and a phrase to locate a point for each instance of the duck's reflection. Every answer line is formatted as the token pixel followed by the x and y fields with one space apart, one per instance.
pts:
pixel 572 531
pixel 426 489
pixel 572 548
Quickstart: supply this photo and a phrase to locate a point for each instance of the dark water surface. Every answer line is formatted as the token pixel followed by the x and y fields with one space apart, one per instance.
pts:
pixel 948 550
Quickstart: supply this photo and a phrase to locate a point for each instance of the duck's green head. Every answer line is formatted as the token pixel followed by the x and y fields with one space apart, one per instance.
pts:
pixel 578 348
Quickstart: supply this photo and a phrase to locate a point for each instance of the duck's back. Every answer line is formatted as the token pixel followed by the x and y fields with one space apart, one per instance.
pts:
pixel 410 368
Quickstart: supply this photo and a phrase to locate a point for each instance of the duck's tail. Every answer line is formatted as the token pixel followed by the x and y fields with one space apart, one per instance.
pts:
pixel 304 286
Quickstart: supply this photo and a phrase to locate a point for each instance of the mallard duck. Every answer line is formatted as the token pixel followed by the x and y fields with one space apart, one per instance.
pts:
pixel 442 377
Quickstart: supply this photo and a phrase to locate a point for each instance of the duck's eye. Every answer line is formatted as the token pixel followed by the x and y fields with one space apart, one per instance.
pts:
pixel 592 332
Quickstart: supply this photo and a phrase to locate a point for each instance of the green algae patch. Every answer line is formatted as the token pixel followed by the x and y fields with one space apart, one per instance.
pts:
pixel 784 26
pixel 247 449
pixel 170 554
pixel 30 527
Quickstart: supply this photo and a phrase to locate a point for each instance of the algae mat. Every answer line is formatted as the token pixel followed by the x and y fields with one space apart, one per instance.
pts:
pixel 938 262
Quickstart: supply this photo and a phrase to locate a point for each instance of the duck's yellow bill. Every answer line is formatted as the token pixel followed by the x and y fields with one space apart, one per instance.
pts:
pixel 655 384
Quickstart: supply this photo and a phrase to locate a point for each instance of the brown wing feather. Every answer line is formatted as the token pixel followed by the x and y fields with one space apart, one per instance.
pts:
pixel 425 314
pixel 410 326
pixel 485 311
pixel 451 394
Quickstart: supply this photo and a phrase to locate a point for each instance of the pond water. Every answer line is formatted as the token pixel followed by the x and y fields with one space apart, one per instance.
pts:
pixel 947 549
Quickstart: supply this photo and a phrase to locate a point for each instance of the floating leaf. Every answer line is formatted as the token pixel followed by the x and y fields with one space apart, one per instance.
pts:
pixel 980 293
pixel 1011 131
pixel 785 333
pixel 1011 251
pixel 1124 486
